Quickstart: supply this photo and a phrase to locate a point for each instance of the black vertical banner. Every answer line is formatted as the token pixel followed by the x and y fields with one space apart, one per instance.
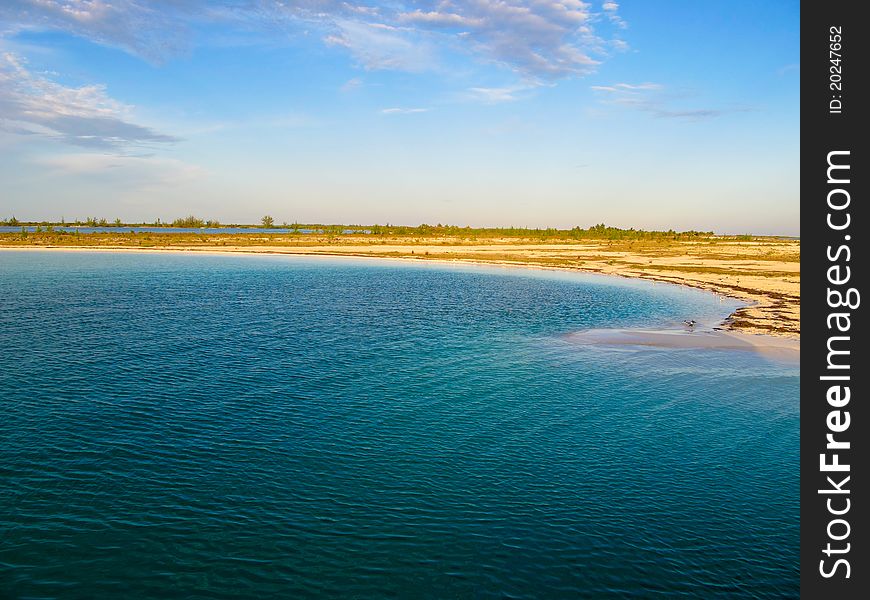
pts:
pixel 835 434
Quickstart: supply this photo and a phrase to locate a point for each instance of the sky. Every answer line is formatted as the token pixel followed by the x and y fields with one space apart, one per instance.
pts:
pixel 540 113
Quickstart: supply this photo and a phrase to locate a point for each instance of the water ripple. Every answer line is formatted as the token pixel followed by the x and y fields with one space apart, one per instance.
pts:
pixel 253 427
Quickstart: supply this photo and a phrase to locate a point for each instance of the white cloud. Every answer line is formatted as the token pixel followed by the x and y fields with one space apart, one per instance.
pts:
pixel 493 95
pixel 121 180
pixel 440 19
pixel 496 95
pixel 535 38
pixel 143 169
pixel 610 9
pixel 380 46
pixel 620 45
pixel 152 30
pixel 83 116
pixel 351 85
pixel 626 87
pixel 650 98
pixel 403 111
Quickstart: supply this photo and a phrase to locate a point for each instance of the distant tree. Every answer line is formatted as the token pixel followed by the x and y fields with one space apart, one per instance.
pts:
pixel 190 222
pixel 13 221
pixel 117 223
pixel 267 222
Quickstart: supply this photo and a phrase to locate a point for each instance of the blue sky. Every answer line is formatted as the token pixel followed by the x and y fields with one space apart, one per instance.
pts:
pixel 653 114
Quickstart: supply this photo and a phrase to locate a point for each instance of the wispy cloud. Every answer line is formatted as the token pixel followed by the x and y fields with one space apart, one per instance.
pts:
pixel 626 87
pixel 403 111
pixel 351 85
pixel 538 40
pixel 535 38
pixel 493 95
pixel 380 46
pixel 145 169
pixel 123 180
pixel 82 116
pixel 611 10
pixel 497 95
pixel 620 45
pixel 653 98
pixel 440 19
pixel 154 30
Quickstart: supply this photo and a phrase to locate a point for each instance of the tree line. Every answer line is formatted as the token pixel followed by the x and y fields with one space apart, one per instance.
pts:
pixel 598 231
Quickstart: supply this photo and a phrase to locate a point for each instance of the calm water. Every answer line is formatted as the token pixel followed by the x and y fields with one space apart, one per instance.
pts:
pixel 274 427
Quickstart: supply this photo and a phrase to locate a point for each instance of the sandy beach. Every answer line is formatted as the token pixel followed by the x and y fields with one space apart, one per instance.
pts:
pixel 764 272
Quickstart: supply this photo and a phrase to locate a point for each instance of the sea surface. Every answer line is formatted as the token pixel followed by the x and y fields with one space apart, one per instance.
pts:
pixel 287 427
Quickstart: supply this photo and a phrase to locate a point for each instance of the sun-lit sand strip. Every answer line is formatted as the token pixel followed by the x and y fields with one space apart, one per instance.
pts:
pixel 772 346
pixel 764 272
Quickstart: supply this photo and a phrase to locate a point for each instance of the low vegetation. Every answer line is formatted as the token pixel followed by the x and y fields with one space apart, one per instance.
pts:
pixel 595 232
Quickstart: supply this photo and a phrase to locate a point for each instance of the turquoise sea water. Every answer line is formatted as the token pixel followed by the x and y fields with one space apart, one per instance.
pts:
pixel 276 427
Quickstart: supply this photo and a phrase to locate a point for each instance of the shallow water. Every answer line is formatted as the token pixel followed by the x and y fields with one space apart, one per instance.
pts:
pixel 252 427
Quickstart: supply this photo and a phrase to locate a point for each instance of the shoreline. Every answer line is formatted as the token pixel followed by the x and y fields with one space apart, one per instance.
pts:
pixel 727 326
